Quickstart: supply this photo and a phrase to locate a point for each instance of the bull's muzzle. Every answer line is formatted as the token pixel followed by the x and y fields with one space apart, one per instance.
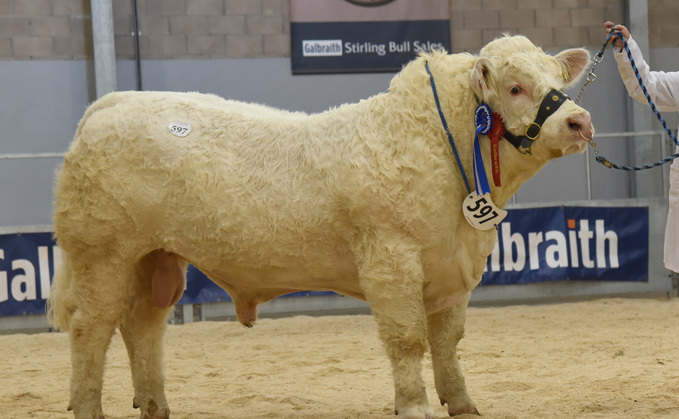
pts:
pixel 582 124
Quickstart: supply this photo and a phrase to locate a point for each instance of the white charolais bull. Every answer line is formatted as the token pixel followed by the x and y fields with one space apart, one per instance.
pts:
pixel 365 199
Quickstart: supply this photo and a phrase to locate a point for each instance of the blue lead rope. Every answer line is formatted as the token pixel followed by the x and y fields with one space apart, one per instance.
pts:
pixel 445 127
pixel 602 159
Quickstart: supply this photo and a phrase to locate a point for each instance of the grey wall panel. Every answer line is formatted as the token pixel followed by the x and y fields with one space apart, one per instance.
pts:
pixel 264 80
pixel 26 191
pixel 41 103
pixel 40 106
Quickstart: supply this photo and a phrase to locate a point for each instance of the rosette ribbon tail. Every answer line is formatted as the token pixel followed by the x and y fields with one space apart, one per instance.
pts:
pixel 480 178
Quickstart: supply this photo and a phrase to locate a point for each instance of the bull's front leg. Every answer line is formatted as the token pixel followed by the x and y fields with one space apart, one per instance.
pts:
pixel 445 329
pixel 391 277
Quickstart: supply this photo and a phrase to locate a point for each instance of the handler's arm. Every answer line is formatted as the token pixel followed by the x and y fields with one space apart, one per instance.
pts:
pixel 662 87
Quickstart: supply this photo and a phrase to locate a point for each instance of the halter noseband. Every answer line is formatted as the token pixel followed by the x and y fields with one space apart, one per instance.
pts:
pixel 551 102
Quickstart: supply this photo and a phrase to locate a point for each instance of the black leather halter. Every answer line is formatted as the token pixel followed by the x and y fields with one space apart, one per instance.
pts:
pixel 549 105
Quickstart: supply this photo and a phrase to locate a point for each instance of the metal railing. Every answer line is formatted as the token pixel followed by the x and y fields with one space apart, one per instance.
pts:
pixel 31 156
pixel 652 134
pixel 658 134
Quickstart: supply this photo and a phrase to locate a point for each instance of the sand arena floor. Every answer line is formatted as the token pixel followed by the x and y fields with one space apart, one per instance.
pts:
pixel 609 358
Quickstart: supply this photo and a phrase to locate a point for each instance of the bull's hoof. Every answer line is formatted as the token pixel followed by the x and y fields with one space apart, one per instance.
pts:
pixel 466 410
pixel 153 411
pixel 163 413
pixel 461 408
pixel 81 415
pixel 420 412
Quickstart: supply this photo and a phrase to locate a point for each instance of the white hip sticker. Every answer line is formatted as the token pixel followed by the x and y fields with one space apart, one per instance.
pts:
pixel 481 212
pixel 179 129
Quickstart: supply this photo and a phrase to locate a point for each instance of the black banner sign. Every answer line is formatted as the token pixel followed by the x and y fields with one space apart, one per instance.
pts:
pixel 331 36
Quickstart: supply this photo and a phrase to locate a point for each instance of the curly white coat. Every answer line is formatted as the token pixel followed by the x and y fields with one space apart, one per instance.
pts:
pixel 364 200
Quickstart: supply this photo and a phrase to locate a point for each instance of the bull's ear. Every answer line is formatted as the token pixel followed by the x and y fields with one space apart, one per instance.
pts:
pixel 573 63
pixel 479 77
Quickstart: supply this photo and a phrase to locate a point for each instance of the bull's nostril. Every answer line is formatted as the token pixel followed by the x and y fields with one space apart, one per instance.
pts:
pixel 574 126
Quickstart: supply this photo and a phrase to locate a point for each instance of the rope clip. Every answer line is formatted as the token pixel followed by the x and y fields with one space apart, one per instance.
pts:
pixel 598 158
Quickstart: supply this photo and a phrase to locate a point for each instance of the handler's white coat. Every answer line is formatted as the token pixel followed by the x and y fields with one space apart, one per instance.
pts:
pixel 664 90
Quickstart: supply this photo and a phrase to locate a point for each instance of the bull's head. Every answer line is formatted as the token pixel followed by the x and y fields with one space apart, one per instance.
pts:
pixel 521 83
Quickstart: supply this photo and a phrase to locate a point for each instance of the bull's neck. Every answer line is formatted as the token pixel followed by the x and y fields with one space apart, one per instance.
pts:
pixel 515 169
pixel 515 166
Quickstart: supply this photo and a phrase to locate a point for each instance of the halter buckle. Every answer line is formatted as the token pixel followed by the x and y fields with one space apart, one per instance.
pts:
pixel 528 135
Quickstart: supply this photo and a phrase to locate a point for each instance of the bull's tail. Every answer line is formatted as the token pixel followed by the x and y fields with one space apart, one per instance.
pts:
pixel 61 302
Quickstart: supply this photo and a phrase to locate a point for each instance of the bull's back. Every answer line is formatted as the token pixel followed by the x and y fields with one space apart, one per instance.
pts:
pixel 242 174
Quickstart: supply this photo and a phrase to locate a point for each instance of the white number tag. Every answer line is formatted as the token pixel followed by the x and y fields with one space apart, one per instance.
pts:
pixel 481 212
pixel 179 129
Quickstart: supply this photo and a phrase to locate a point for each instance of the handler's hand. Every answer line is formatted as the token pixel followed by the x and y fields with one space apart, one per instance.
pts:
pixel 616 40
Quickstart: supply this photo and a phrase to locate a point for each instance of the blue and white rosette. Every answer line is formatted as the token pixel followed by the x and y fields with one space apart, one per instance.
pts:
pixel 484 121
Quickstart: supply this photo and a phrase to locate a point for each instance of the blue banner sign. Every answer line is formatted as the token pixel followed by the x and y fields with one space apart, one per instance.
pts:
pixel 535 245
pixel 333 36
pixel 570 243
pixel 27 263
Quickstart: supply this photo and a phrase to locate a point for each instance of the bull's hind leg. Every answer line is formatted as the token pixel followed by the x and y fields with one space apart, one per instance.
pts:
pixel 391 277
pixel 158 285
pixel 445 331
pixel 100 303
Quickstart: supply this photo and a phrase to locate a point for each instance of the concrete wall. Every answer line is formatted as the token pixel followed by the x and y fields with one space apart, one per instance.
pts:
pixel 189 29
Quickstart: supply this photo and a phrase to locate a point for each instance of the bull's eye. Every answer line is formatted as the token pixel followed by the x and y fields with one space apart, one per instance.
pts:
pixel 515 90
